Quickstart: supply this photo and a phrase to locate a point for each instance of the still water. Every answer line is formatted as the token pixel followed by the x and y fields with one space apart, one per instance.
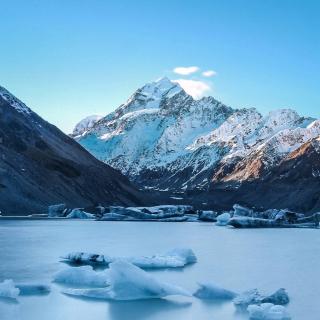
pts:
pixel 238 260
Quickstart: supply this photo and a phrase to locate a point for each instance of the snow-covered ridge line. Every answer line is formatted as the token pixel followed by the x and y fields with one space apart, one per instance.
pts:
pixel 161 132
pixel 13 101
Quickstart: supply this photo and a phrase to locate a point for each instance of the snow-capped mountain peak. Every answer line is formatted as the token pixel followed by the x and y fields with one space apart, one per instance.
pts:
pixel 85 124
pixel 163 138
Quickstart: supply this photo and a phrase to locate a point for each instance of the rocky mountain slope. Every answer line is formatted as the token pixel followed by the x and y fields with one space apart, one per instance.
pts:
pixel 164 140
pixel 40 166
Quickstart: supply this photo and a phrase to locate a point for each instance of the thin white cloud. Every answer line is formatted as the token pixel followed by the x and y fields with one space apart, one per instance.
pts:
pixel 195 88
pixel 184 71
pixel 209 73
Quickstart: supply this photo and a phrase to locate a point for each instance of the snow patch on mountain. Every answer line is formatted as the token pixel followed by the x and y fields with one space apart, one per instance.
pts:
pixel 162 137
pixel 85 124
pixel 13 101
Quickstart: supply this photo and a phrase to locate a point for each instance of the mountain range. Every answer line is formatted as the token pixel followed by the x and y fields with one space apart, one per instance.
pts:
pixel 41 166
pixel 205 152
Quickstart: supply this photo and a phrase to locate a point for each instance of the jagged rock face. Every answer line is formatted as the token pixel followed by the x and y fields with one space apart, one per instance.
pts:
pixel 163 139
pixel 293 183
pixel 40 166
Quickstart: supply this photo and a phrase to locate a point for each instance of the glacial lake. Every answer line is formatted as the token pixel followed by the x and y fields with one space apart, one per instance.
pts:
pixel 238 260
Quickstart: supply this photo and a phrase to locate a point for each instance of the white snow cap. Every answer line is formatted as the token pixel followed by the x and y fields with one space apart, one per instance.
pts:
pixel 13 101
pixel 85 124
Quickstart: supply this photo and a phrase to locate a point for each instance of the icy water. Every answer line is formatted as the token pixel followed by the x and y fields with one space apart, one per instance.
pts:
pixel 239 260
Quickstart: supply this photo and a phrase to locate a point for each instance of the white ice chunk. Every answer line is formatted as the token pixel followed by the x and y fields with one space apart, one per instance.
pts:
pixel 268 311
pixel 223 219
pixel 248 297
pixel 8 290
pixel 128 282
pixel 212 292
pixel 79 214
pixel 175 258
pixel 83 276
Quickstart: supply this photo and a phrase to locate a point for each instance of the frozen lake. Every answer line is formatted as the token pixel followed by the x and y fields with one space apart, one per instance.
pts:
pixel 239 260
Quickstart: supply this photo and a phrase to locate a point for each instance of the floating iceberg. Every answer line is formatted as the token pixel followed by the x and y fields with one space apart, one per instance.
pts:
pixel 242 211
pixel 268 311
pixel 128 282
pixel 57 210
pixel 280 297
pixel 79 214
pixel 176 258
pixel 164 213
pixel 248 297
pixel 223 219
pixel 33 289
pixel 8 290
pixel 207 215
pixel 87 258
pixel 83 276
pixel 210 291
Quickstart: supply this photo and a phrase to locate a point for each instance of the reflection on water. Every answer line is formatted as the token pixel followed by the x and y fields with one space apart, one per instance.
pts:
pixel 9 309
pixel 144 309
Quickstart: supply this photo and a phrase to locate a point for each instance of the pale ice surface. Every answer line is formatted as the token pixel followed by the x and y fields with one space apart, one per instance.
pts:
pixel 223 219
pixel 128 282
pixel 176 258
pixel 280 297
pixel 268 311
pixel 79 214
pixel 209 291
pixel 8 290
pixel 82 276
pixel 236 259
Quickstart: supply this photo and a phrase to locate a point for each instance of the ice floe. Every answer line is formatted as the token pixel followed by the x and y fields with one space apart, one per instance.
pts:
pixel 209 291
pixel 79 214
pixel 268 311
pixel 128 282
pixel 280 297
pixel 175 258
pixel 223 219
pixel 207 215
pixel 8 290
pixel 83 276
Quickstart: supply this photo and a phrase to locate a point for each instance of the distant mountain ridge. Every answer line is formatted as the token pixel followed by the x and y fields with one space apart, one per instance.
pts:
pixel 40 166
pixel 163 139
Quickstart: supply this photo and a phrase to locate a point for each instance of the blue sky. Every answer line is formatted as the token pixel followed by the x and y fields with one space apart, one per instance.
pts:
pixel 72 58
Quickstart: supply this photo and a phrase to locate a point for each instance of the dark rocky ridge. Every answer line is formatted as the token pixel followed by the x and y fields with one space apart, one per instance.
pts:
pixel 293 183
pixel 40 166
